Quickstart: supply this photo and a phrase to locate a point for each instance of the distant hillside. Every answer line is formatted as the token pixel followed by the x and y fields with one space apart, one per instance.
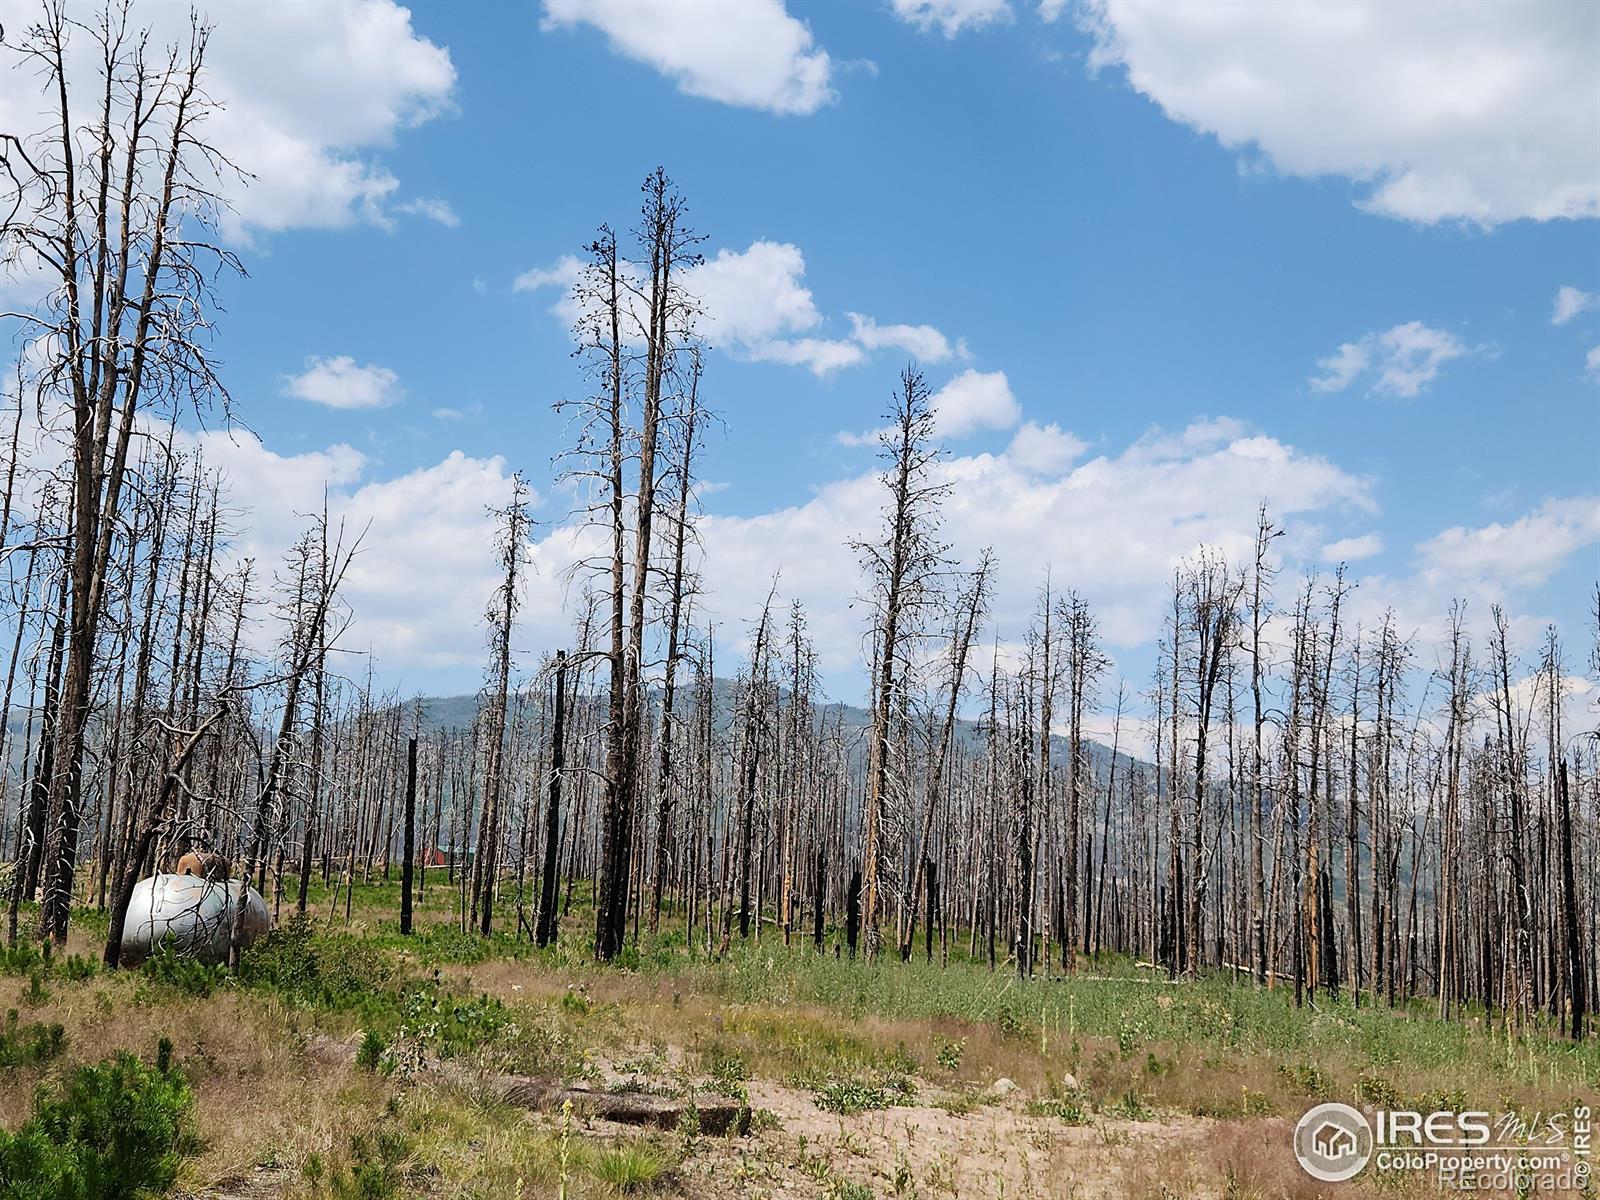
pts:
pixel 458 712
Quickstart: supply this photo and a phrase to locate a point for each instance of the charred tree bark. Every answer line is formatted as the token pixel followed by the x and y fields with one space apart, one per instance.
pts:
pixel 409 862
pixel 546 933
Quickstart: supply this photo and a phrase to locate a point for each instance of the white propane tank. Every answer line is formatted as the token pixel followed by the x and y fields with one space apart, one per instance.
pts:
pixel 197 914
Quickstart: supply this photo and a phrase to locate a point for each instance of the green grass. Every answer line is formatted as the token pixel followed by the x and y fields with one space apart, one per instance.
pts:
pixel 804 1011
pixel 631 1167
pixel 1112 1044
pixel 1111 1001
pixel 1138 1012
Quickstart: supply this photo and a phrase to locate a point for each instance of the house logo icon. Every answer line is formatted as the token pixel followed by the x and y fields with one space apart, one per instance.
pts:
pixel 1333 1142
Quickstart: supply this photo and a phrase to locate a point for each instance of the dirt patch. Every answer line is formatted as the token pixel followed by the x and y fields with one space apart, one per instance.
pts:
pixel 995 1150
pixel 263 1183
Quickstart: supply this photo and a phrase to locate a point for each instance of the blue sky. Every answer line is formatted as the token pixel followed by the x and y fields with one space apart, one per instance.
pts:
pixel 1339 275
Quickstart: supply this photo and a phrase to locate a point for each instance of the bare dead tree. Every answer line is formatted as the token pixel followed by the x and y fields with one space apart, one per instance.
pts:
pixel 970 612
pixel 901 569
pixel 511 538
pixel 113 218
pixel 678 596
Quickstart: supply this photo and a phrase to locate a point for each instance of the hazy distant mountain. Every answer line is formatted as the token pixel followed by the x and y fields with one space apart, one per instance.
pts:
pixel 458 712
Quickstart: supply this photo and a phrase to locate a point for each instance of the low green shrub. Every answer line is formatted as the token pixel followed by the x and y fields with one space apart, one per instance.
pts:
pixel 335 970
pixel 31 1044
pixel 21 959
pixel 112 1131
pixel 36 993
pixel 1015 1020
pixel 1308 1078
pixel 374 1169
pixel 167 969
pixel 726 1073
pixel 1373 1088
pixel 1069 1110
pixel 26 958
pixel 848 1096
pixel 949 1053
pixel 79 967
pixel 1132 1107
pixel 575 1003
pixel 428 1020
pixel 369 1055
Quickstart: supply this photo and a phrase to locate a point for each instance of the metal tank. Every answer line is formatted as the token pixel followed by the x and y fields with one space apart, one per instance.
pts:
pixel 197 914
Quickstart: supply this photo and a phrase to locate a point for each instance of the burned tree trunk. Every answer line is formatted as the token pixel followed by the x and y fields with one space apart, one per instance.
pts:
pixel 502 614
pixel 546 932
pixel 674 622
pixel 899 568
pixel 1577 1017
pixel 409 862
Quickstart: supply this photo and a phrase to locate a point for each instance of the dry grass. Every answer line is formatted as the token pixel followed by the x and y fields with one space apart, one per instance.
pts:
pixel 1174 1091
pixel 258 1095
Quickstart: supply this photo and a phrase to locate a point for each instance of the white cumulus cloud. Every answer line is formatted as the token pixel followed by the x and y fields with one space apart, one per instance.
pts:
pixel 1112 527
pixel 562 275
pixel 1571 302
pixel 1522 553
pixel 951 17
pixel 972 401
pixel 410 619
pixel 1353 549
pixel 308 95
pixel 1044 449
pixel 1485 111
pixel 755 305
pixel 821 356
pixel 1401 361
pixel 923 342
pixel 339 382
pixel 752 54
pixel 431 207
pixel 755 294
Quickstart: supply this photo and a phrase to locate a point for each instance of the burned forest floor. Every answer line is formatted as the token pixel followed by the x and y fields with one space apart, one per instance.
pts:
pixel 344 1062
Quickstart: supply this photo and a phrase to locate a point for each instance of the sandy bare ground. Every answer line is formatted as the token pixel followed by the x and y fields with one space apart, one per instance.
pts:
pixel 940 1144
pixel 995 1152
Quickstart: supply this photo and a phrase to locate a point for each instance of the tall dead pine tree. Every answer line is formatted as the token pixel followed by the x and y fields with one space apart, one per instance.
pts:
pixel 677 599
pixel 637 322
pixel 545 933
pixel 900 567
pixel 511 539
pixel 1213 611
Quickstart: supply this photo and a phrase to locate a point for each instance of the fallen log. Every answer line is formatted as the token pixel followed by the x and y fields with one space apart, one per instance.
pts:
pixel 627 1108
pixel 716 1115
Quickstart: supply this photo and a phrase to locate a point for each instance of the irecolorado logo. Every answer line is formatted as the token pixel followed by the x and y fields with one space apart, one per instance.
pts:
pixel 1333 1142
pixel 1470 1149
